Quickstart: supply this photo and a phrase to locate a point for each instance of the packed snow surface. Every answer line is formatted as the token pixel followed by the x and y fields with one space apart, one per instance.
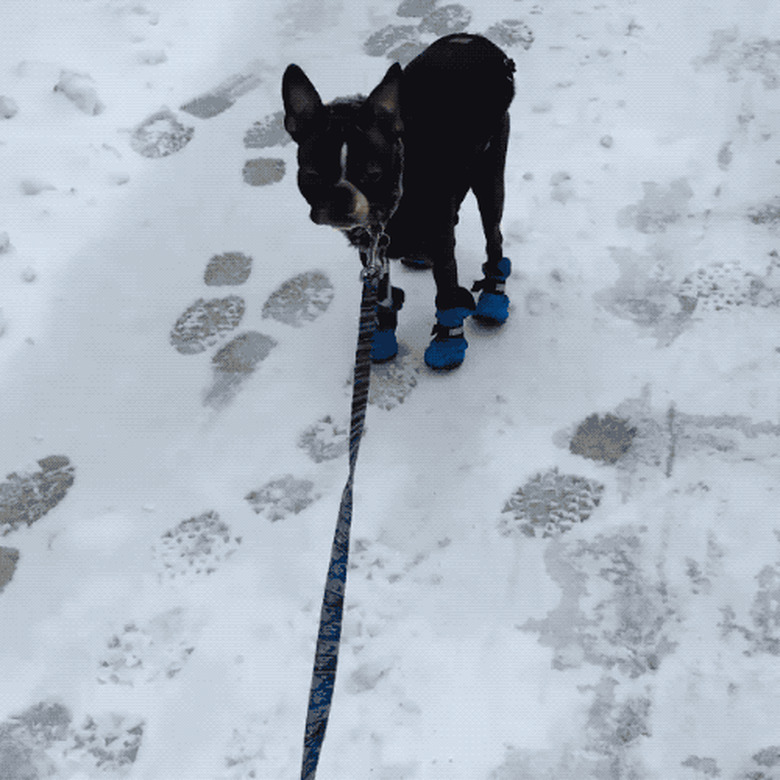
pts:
pixel 566 554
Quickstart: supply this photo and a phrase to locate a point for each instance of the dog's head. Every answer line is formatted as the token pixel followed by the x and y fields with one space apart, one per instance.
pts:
pixel 350 155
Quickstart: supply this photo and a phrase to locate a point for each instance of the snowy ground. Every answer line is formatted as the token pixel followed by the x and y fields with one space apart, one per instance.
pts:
pixel 566 553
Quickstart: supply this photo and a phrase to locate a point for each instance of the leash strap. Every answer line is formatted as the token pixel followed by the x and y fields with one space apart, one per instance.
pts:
pixel 326 656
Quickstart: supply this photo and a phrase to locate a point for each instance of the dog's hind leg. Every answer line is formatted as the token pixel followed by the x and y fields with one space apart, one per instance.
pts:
pixel 488 187
pixel 453 303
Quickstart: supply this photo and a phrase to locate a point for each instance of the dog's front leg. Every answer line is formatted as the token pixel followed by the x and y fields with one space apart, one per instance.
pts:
pixel 389 303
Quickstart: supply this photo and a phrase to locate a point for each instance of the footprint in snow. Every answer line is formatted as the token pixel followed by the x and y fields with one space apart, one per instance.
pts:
pixel 736 54
pixel 727 286
pixel 767 214
pixel 446 20
pixel 392 382
pixel 228 268
pixel 266 132
pixel 644 442
pixel 223 96
pixel 79 88
pixel 324 440
pixel 108 743
pixel 44 735
pixel 415 7
pixel 659 207
pixel 550 504
pixel 378 562
pixel 196 547
pixel 616 608
pixel 9 557
pixel 606 438
pixel 403 42
pixel 281 497
pixel 646 295
pixel 160 135
pixel 25 498
pixel 300 299
pixel 234 363
pixel 205 323
pixel 397 42
pixel 366 676
pixel 157 649
pixel 510 32
pixel 263 170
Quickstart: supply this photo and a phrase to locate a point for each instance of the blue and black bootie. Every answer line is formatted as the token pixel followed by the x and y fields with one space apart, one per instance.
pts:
pixel 493 303
pixel 385 346
pixel 448 347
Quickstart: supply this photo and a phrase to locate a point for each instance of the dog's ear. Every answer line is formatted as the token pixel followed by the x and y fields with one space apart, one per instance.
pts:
pixel 385 100
pixel 302 103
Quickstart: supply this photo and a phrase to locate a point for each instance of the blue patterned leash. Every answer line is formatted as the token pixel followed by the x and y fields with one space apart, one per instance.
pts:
pixel 327 654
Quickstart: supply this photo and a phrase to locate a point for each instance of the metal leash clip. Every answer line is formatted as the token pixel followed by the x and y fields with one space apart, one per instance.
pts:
pixel 377 259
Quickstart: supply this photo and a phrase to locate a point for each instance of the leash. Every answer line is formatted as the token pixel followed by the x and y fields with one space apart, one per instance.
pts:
pixel 327 653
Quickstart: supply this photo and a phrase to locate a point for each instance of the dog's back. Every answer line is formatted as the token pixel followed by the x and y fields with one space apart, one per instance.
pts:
pixel 456 92
pixel 454 101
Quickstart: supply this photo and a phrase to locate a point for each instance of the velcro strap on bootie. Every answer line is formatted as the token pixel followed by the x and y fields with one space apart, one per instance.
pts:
pixel 490 285
pixel 443 332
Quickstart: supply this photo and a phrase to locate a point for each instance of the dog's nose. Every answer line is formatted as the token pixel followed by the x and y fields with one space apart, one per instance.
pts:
pixel 345 208
pixel 320 216
pixel 358 202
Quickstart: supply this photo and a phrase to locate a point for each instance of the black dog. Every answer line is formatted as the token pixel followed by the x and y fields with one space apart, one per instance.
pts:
pixel 426 134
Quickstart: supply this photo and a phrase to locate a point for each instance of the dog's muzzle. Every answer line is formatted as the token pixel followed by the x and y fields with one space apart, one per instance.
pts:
pixel 346 207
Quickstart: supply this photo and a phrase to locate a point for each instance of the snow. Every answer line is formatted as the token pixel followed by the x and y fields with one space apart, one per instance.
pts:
pixel 566 554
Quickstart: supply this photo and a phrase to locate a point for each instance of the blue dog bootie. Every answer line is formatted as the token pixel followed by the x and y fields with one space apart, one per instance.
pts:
pixel 493 303
pixel 448 347
pixel 385 345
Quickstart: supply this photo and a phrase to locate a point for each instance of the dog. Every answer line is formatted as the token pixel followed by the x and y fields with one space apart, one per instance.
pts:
pixel 401 161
